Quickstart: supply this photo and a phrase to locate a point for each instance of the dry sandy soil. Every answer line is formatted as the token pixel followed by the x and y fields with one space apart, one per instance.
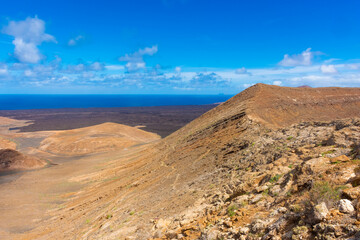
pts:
pixel 119 191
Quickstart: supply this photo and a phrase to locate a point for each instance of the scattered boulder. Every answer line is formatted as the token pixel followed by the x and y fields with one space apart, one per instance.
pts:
pixel 258 226
pixel 244 230
pixel 256 198
pixel 351 193
pixel 320 212
pixel 211 234
pixel 340 159
pixel 162 224
pixel 316 165
pixel 278 211
pixel 345 206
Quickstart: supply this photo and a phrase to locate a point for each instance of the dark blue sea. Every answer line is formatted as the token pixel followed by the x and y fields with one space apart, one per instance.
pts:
pixel 27 101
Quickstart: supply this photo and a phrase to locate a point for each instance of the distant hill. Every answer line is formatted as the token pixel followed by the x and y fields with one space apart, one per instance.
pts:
pixel 99 138
pixel 13 160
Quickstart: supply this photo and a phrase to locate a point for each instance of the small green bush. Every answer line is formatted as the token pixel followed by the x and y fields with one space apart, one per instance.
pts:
pixel 323 191
pixel 275 178
pixel 266 192
pixel 231 210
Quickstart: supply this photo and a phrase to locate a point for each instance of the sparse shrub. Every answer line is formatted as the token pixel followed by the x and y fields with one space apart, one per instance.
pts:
pixel 323 191
pixel 327 152
pixel 231 210
pixel 243 204
pixel 291 166
pixel 289 138
pixel 297 208
pixel 356 160
pixel 109 216
pixel 266 192
pixel 132 213
pixel 275 178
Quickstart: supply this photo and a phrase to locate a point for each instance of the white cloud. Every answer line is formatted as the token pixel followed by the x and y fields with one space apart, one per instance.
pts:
pixel 134 66
pixel 3 70
pixel 26 52
pixel 208 80
pixel 115 67
pixel 277 83
pixel 328 69
pixel 241 71
pixel 247 85
pixel 148 50
pixel 177 69
pixel 354 66
pixel 96 66
pixel 75 41
pixel 28 34
pixel 302 59
pixel 28 73
pixel 81 68
pixel 75 68
pixel 88 75
pixel 135 61
pixel 328 61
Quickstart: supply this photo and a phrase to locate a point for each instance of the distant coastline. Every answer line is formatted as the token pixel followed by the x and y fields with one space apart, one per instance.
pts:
pixel 30 101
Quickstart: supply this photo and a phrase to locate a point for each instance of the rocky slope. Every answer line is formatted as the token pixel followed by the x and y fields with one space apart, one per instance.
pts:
pixel 270 163
pixel 300 182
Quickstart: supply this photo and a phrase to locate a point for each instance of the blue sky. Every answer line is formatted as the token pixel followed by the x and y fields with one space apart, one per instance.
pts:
pixel 176 46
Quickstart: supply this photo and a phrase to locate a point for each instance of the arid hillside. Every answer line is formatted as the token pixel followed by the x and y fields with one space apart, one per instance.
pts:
pixel 255 167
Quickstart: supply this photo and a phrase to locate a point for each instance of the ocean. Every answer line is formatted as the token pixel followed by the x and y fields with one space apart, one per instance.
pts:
pixel 29 101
